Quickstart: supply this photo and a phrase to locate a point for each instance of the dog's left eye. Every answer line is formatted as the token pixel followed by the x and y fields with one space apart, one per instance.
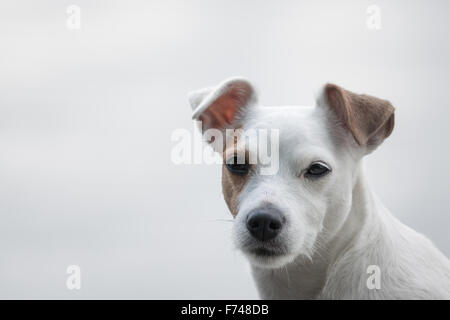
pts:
pixel 240 169
pixel 317 169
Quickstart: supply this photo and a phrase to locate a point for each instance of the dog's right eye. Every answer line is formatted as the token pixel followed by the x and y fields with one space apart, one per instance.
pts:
pixel 240 169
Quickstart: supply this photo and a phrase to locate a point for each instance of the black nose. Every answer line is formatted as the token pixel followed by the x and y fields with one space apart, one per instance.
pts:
pixel 264 224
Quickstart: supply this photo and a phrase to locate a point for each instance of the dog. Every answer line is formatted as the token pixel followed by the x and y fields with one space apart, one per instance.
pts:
pixel 314 229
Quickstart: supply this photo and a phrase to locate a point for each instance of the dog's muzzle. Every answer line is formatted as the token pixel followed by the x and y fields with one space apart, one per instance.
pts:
pixel 265 223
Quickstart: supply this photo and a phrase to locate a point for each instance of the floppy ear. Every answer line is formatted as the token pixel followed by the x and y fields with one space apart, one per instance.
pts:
pixel 219 107
pixel 370 120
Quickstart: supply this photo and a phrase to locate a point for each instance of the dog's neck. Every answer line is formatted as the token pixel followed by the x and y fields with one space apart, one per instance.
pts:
pixel 305 277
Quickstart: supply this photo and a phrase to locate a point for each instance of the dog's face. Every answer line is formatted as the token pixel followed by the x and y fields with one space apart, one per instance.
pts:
pixel 289 213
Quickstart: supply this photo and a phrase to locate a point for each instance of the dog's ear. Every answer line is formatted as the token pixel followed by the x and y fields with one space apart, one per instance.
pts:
pixel 219 107
pixel 370 120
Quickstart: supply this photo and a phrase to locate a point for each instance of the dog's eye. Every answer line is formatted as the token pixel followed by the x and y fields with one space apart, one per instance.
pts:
pixel 240 169
pixel 317 169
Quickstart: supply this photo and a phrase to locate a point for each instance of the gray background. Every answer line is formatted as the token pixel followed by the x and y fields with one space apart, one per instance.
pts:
pixel 86 118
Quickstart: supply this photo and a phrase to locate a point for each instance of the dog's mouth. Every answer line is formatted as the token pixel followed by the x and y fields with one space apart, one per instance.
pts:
pixel 264 252
pixel 268 256
pixel 271 249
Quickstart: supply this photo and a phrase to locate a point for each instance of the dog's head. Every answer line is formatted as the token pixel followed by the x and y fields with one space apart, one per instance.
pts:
pixel 281 215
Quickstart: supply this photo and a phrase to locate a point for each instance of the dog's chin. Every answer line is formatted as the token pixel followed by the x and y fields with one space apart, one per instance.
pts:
pixel 267 258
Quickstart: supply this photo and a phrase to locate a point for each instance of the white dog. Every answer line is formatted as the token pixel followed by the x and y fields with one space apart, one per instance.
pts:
pixel 314 229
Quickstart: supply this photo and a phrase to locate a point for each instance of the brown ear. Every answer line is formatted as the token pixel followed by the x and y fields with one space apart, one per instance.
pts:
pixel 218 107
pixel 369 119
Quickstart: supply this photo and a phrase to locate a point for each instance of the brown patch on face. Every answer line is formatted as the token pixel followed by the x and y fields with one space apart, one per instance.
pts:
pixel 232 184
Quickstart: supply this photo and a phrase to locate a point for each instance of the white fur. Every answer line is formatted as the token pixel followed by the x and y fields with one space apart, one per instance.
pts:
pixel 336 227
